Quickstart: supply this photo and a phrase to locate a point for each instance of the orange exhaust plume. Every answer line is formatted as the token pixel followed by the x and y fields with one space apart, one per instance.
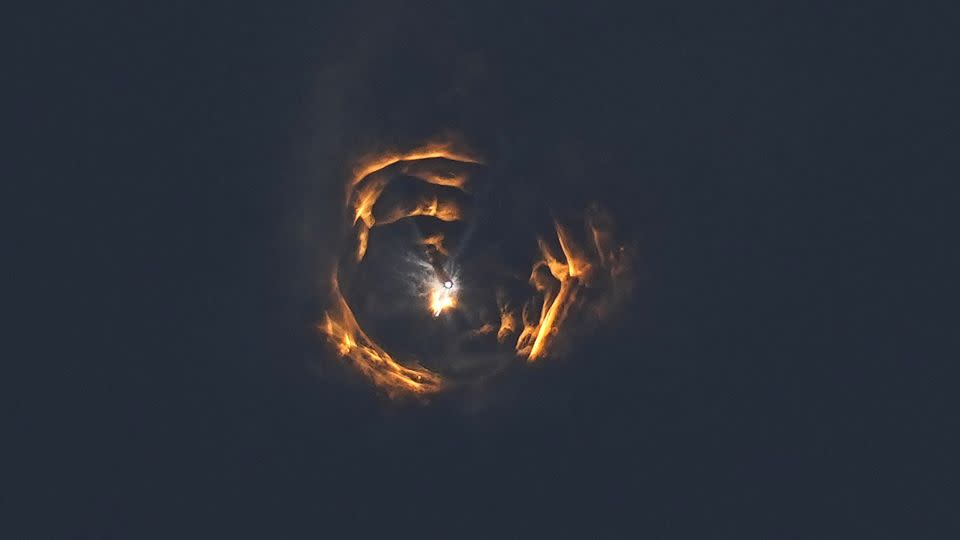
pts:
pixel 441 172
pixel 363 236
pixel 439 163
pixel 483 330
pixel 343 331
pixel 442 164
pixel 365 197
pixel 435 241
pixel 577 264
pixel 530 327
pixel 553 318
pixel 572 270
pixel 508 326
pixel 446 150
pixel 508 320
pixel 552 261
pixel 444 209
pixel 567 268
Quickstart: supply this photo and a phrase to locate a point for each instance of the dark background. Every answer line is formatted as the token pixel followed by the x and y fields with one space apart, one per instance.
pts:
pixel 780 372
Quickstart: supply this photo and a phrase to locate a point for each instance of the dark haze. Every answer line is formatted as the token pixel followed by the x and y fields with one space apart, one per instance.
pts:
pixel 776 373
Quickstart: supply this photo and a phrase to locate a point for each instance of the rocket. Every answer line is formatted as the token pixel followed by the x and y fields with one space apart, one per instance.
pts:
pixel 442 275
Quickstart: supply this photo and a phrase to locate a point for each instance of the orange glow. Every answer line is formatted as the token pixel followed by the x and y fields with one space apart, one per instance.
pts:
pixel 572 271
pixel 365 197
pixel 436 242
pixel 530 327
pixel 363 190
pixel 442 298
pixel 363 236
pixel 369 181
pixel 345 334
pixel 483 330
pixel 508 320
pixel 562 276
pixel 444 149
pixel 508 325
pixel 553 318
pixel 442 209
pixel 450 180
pixel 577 264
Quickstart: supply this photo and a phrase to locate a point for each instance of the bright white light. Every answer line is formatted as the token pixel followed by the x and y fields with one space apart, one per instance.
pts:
pixel 441 298
pixel 448 284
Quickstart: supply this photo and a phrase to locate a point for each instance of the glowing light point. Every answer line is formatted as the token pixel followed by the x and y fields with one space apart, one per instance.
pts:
pixel 442 297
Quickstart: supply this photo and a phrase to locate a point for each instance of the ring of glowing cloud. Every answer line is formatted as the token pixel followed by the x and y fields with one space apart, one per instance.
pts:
pixel 565 268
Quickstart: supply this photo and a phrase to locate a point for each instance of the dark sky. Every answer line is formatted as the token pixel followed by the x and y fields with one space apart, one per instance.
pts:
pixel 778 374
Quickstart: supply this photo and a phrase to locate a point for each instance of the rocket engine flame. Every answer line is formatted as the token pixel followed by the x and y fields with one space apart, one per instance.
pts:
pixel 442 297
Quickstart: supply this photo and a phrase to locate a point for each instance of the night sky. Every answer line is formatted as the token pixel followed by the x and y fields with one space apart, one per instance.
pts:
pixel 777 373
